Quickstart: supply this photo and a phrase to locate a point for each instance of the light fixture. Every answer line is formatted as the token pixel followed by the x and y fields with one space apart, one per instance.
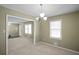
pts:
pixel 42 14
pixel 45 18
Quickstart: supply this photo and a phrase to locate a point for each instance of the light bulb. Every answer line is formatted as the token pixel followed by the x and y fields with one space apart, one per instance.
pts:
pixel 42 14
pixel 45 18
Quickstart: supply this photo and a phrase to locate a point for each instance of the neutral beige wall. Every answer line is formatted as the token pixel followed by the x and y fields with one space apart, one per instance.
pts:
pixel 70 31
pixel 2 30
pixel 3 13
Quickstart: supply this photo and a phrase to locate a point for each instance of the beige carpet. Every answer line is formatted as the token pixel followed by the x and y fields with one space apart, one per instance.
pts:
pixel 24 46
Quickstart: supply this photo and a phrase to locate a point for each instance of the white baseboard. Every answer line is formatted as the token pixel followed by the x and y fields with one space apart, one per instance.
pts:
pixel 60 47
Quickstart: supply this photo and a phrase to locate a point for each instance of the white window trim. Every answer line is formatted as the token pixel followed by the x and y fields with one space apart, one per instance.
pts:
pixel 61 29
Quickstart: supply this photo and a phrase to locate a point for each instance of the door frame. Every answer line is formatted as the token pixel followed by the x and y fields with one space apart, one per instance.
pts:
pixel 7 16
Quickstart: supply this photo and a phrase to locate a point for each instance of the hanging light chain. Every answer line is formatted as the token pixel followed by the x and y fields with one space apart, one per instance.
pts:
pixel 41 7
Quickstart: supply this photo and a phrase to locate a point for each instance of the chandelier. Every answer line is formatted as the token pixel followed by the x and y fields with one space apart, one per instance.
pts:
pixel 42 14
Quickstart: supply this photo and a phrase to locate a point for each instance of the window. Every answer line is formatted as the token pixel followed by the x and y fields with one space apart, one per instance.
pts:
pixel 28 29
pixel 55 29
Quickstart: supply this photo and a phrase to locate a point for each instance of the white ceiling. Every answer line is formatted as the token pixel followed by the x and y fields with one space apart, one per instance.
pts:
pixel 16 20
pixel 49 9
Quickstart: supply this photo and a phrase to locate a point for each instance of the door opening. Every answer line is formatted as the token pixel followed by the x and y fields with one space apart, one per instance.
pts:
pixel 11 22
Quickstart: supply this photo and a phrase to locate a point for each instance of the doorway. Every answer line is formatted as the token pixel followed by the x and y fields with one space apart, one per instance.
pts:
pixel 16 24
